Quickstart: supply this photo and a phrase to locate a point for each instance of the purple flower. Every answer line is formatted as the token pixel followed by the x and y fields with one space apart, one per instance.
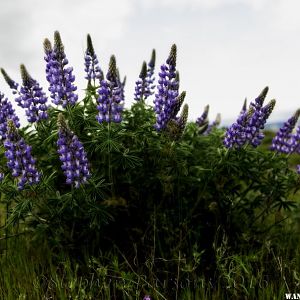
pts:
pixel 72 155
pixel 147 297
pixel 257 122
pixel 168 86
pixel 6 113
pixel 59 76
pixel 298 169
pixel 284 141
pixel 213 125
pixel 14 86
pixel 111 96
pixel 144 86
pixel 295 141
pixel 247 128
pixel 19 157
pixel 92 68
pixel 32 98
pixel 203 118
pixel 1 176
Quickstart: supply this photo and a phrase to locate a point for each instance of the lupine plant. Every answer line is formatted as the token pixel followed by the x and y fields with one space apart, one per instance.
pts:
pixel 144 86
pixel 30 96
pixel 19 157
pixel 59 76
pixel 137 194
pixel 167 91
pixel 111 97
pixel 92 67
pixel 248 127
pixel 285 141
pixel 72 155
pixel 6 113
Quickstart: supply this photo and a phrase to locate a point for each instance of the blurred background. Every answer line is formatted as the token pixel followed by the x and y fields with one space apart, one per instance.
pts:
pixel 227 49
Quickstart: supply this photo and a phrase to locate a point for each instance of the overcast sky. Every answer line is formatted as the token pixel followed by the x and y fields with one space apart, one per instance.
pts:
pixel 227 49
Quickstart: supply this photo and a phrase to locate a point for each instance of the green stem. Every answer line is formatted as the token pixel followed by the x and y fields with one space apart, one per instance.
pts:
pixel 110 173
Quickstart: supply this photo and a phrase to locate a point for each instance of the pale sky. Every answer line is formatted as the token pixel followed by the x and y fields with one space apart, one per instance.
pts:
pixel 227 49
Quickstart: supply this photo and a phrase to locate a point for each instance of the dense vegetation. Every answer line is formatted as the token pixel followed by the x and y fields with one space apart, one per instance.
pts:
pixel 114 203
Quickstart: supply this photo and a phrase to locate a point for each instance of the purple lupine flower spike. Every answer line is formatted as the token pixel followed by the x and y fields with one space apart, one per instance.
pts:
pixel 19 157
pixel 147 297
pixel 295 141
pixel 258 102
pixel 140 84
pixel 14 86
pixel 92 67
pixel 150 76
pixel 203 118
pixel 283 141
pixel 168 86
pixel 247 129
pixel 258 121
pixel 32 98
pixel 213 125
pixel 72 155
pixel 6 113
pixel 111 96
pixel 59 76
pixel 177 105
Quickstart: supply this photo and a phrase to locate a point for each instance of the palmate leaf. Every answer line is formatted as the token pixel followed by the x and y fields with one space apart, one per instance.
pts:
pixel 109 145
pixel 283 203
pixel 20 211
pixel 128 160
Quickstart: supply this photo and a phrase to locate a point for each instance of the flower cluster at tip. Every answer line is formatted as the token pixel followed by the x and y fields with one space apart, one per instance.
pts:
pixel 59 76
pixel 30 95
pixel 111 96
pixel 285 141
pixel 91 63
pixel 248 127
pixel 19 157
pixel 144 86
pixel 213 125
pixel 6 113
pixel 72 155
pixel 168 86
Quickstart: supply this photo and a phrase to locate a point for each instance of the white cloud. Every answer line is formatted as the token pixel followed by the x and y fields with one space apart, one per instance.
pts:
pixel 205 4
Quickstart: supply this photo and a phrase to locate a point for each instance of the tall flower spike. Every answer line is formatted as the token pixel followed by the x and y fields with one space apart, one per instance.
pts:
pixel 59 76
pixel 72 155
pixel 140 84
pixel 177 105
pixel 183 117
pixel 249 124
pixel 32 98
pixel 11 83
pixel 150 75
pixel 168 86
pixel 203 118
pixel 92 68
pixel 111 96
pixel 258 102
pixel 6 113
pixel 295 141
pixel 284 140
pixel 236 134
pixel 19 157
pixel 213 125
pixel 257 123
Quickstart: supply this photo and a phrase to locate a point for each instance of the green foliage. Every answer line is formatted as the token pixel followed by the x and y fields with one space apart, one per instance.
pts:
pixel 175 201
